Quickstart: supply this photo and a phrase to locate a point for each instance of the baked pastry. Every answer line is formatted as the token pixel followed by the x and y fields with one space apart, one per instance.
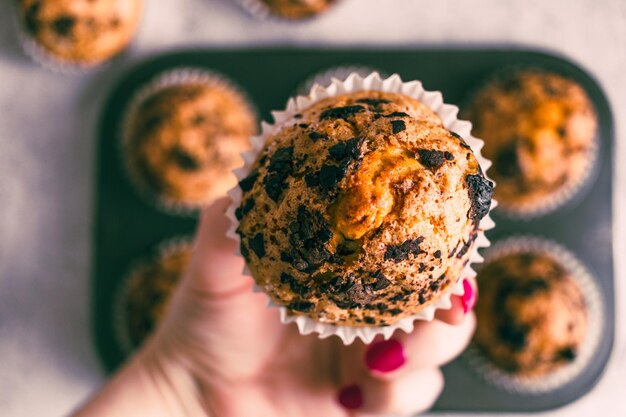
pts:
pixel 81 31
pixel 362 210
pixel 184 140
pixel 532 316
pixel 298 9
pixel 539 130
pixel 148 291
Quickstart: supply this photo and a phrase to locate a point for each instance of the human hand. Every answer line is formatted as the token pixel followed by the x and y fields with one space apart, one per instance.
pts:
pixel 221 351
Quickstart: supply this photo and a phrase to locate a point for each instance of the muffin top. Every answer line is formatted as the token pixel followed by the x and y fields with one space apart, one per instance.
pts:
pixel 298 9
pixel 82 31
pixel 362 210
pixel 532 316
pixel 149 290
pixel 185 140
pixel 540 132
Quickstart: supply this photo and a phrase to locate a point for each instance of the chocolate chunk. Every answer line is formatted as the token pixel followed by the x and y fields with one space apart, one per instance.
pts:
pixel 369 320
pixel 461 140
pixel 399 253
pixel 568 354
pixel 347 149
pixel 421 299
pixel 506 162
pixel 274 185
pixel 329 176
pixel 513 334
pixel 184 160
pixel 316 136
pixel 301 306
pixel 422 267
pixel 31 17
pixel 257 244
pixel 341 112
pixel 438 254
pixel 448 156
pixel 295 285
pixel 308 235
pixel 395 311
pixel 398 126
pixel 247 183
pixel 382 307
pixel 247 206
pixel 63 25
pixel 297 116
pixel 281 161
pixel 466 246
pixel 360 294
pixel 399 297
pixel 381 281
pixel 396 114
pixel 312 180
pixel 244 251
pixel 431 158
pixel 295 259
pixel 480 192
pixel 303 125
pixel 373 101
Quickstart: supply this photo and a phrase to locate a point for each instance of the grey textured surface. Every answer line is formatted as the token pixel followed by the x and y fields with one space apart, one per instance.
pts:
pixel 47 142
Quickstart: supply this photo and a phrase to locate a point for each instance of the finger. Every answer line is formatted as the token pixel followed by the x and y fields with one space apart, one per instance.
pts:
pixel 404 396
pixel 430 345
pixel 214 267
pixel 461 304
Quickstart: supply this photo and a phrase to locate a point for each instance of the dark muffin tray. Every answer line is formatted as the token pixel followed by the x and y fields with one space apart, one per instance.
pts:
pixel 127 228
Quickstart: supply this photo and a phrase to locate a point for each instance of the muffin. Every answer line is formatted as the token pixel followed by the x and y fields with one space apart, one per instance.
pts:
pixel 182 141
pixel 532 315
pixel 297 9
pixel 361 211
pixel 539 130
pixel 81 32
pixel 147 292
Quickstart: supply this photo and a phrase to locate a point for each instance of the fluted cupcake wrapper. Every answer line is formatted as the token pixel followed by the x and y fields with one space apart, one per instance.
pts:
pixel 170 78
pixel 121 332
pixel 325 77
pixel 261 11
pixel 353 83
pixel 480 364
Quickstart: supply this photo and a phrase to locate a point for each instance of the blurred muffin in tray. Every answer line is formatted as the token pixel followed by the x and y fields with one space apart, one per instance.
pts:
pixel 539 130
pixel 78 32
pixel 183 137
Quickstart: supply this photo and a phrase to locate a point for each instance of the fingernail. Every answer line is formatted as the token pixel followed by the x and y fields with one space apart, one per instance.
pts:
pixel 385 356
pixel 351 397
pixel 469 296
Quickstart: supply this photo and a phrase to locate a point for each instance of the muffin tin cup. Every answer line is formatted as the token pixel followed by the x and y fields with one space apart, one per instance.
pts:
pixel 170 78
pixel 529 386
pixel 563 197
pixel 353 83
pixel 325 78
pixel 261 11
pixel 50 62
pixel 121 331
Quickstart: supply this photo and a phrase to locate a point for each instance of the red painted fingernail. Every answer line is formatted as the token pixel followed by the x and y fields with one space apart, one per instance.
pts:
pixel 351 397
pixel 385 356
pixel 469 296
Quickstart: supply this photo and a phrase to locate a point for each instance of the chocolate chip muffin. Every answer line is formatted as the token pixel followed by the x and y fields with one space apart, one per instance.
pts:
pixel 85 32
pixel 532 316
pixel 362 210
pixel 148 291
pixel 298 9
pixel 539 130
pixel 183 141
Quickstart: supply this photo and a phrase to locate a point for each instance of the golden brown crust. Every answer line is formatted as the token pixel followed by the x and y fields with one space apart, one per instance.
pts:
pixel 298 9
pixel 149 289
pixel 532 317
pixel 185 141
pixel 539 130
pixel 359 212
pixel 82 31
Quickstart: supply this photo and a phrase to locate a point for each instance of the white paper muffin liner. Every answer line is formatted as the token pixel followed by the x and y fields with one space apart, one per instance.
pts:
pixel 169 78
pixel 325 78
pixel 353 83
pixel 121 332
pixel 50 62
pixel 565 195
pixel 261 11
pixel 595 313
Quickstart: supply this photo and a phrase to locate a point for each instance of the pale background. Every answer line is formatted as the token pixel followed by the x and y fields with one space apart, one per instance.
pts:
pixel 47 145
